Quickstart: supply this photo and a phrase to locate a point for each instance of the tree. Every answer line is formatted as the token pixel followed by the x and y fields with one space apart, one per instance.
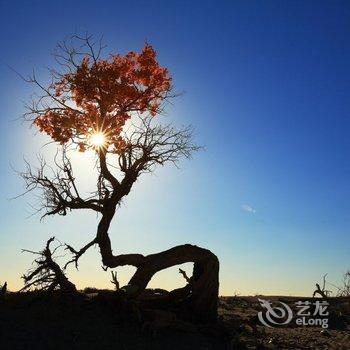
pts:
pixel 87 106
pixel 323 292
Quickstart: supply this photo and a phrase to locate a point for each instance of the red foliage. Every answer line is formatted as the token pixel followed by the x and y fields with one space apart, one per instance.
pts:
pixel 100 95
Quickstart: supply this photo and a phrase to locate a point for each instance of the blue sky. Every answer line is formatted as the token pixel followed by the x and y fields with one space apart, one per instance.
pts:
pixel 267 88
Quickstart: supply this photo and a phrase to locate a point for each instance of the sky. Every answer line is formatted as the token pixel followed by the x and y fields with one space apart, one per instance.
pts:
pixel 265 84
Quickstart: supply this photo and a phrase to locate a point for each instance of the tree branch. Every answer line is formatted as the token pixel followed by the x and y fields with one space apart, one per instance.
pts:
pixel 79 253
pixel 59 190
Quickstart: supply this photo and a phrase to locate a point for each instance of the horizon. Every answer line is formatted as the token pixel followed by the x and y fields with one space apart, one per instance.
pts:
pixel 266 88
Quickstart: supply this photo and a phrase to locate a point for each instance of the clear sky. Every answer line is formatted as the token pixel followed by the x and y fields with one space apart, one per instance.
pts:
pixel 267 87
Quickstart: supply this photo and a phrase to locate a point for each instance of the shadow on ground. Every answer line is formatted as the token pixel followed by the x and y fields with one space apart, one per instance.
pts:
pixel 99 320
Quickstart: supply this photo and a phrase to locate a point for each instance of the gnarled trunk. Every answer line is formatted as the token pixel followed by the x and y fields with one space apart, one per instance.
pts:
pixel 204 285
pixel 201 292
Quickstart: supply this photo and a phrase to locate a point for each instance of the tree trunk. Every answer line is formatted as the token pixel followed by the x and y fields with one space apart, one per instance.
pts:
pixel 204 286
pixel 202 292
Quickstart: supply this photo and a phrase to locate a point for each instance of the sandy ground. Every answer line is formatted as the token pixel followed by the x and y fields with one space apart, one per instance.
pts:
pixel 241 313
pixel 100 322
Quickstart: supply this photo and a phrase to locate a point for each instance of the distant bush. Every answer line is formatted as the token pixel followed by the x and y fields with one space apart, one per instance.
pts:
pixel 90 290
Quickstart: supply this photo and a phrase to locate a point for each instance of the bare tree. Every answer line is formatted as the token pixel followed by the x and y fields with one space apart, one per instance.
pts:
pixel 322 291
pixel 344 289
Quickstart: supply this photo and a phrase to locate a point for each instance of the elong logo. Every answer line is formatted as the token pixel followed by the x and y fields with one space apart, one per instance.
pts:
pixel 308 314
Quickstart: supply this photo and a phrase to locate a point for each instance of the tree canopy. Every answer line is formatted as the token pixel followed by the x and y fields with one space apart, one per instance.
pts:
pixel 98 95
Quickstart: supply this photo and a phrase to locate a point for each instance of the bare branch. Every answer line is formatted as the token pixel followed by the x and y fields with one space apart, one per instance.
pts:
pixel 114 280
pixel 79 253
pixel 59 191
pixel 151 145
pixel 147 145
pixel 322 291
pixel 184 274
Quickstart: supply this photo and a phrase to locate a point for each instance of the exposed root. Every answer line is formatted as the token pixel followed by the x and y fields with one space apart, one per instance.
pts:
pixel 46 275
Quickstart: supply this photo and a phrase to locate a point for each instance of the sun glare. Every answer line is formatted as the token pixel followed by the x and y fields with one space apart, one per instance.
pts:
pixel 98 139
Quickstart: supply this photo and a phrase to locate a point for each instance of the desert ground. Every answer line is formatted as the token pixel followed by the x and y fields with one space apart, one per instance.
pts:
pixel 99 320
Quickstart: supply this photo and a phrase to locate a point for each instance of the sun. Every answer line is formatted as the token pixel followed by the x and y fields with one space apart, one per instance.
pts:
pixel 98 139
